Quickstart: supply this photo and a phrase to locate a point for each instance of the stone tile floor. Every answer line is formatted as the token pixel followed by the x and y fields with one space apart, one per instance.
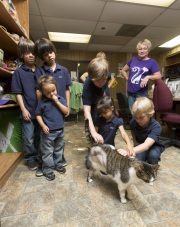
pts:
pixel 69 201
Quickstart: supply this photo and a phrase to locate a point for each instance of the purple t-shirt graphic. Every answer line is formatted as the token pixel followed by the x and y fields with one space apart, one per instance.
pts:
pixel 138 70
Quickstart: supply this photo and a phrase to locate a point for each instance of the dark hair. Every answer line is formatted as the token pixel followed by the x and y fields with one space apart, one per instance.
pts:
pixel 104 104
pixel 46 80
pixel 24 46
pixel 43 46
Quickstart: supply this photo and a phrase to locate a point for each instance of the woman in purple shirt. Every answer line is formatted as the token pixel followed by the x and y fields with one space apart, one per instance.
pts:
pixel 139 70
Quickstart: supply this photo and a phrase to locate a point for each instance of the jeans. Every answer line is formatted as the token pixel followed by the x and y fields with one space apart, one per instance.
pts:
pixel 31 139
pixel 133 96
pixel 52 146
pixel 151 156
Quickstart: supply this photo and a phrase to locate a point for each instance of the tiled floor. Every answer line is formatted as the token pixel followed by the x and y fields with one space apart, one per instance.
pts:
pixel 69 201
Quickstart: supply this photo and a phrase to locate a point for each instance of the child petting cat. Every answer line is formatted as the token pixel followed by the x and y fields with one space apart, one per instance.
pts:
pixel 50 114
pixel 123 170
pixel 109 122
pixel 94 88
pixel 146 131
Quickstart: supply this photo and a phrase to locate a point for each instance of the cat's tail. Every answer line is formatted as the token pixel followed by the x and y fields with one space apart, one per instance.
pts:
pixel 89 137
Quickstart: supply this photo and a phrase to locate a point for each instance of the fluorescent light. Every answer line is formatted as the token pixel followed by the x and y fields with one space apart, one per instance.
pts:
pixel 69 37
pixel 164 3
pixel 172 43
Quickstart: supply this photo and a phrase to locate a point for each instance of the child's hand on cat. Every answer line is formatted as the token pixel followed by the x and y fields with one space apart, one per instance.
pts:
pixel 132 154
pixel 126 153
pixel 123 152
pixel 98 138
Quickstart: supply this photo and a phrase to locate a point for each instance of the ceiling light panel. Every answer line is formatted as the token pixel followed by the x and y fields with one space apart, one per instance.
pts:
pixel 163 3
pixel 68 37
pixel 172 43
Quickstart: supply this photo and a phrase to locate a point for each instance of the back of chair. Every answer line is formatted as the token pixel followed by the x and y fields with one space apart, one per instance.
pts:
pixel 122 100
pixel 162 97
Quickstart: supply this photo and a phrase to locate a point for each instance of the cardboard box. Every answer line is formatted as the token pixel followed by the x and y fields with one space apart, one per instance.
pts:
pixel 1 57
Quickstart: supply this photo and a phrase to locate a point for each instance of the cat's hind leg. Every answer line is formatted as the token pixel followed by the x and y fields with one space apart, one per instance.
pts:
pixel 129 193
pixel 89 176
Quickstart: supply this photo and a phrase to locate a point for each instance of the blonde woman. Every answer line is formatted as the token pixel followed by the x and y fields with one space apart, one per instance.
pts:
pixel 139 70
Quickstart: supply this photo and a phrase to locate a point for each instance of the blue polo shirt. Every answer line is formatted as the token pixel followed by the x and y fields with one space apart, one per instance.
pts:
pixel 108 129
pixel 60 74
pixel 51 114
pixel 23 83
pixel 91 95
pixel 153 131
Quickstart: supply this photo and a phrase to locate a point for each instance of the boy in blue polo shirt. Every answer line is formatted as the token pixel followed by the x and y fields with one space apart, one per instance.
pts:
pixel 94 88
pixel 23 85
pixel 46 51
pixel 50 115
pixel 146 131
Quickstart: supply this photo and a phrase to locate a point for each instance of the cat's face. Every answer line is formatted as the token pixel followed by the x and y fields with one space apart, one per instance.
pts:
pixel 147 172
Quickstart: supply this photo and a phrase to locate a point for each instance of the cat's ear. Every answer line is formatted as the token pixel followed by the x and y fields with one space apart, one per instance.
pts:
pixel 141 168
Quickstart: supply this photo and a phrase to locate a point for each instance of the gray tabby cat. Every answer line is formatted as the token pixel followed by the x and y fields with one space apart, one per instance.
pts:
pixel 123 169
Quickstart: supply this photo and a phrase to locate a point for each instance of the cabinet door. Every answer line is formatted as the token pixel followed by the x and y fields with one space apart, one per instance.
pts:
pixel 172 68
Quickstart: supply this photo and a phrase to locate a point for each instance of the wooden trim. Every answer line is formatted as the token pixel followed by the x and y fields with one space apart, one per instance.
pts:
pixel 8 105
pixel 8 163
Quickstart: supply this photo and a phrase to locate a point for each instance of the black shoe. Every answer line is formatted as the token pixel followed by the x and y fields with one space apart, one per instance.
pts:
pixel 63 163
pixel 49 176
pixel 61 169
pixel 32 165
pixel 39 172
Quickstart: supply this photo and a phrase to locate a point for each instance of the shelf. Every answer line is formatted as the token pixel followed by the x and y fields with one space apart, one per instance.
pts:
pixel 5 73
pixel 9 23
pixel 172 55
pixel 172 65
pixel 7 43
pixel 10 112
pixel 8 106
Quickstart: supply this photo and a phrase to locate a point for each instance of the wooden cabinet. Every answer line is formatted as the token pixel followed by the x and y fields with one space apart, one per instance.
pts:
pixel 10 127
pixel 172 67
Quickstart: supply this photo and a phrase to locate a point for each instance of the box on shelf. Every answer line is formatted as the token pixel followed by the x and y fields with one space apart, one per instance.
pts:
pixel 10 131
pixel 1 57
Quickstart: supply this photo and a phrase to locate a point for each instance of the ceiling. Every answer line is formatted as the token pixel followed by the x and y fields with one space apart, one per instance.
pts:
pixel 114 26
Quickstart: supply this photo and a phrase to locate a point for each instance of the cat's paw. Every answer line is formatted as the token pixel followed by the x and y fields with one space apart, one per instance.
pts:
pixel 123 200
pixel 90 180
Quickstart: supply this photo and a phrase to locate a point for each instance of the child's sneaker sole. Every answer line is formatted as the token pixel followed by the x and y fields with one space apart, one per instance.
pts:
pixel 39 172
pixel 61 169
pixel 32 165
pixel 49 176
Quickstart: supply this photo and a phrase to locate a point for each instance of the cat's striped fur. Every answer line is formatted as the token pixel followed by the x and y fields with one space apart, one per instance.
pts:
pixel 124 170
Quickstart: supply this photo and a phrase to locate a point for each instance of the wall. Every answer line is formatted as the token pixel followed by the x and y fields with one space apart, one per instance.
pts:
pixel 112 57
